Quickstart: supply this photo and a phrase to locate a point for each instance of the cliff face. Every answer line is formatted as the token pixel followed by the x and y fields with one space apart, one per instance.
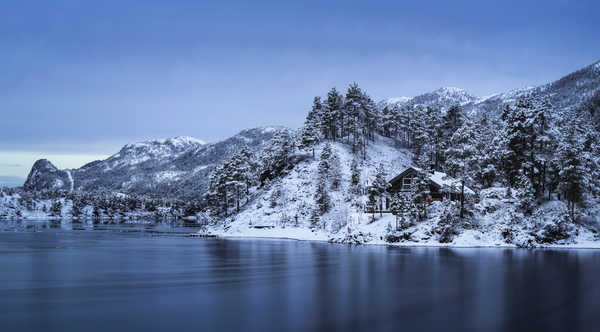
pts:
pixel 44 175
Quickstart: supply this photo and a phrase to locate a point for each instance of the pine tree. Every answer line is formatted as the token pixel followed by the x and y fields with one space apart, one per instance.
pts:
pixel 400 207
pixel 309 135
pixel 525 193
pixel 519 138
pixel 325 162
pixel 355 174
pixel 56 209
pixel 572 174
pixel 275 157
pixel 372 194
pixel 453 119
pixel 335 171
pixel 315 218
pixel 334 113
pixel 380 185
pixel 388 119
pixel 461 159
pixel 321 195
pixel 352 109
pixel 421 195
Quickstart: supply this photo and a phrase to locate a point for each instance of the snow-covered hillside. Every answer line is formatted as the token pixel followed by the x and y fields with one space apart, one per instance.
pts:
pixel 290 199
pixel 284 209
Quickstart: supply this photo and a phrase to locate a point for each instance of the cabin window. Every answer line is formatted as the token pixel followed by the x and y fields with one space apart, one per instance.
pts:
pixel 407 184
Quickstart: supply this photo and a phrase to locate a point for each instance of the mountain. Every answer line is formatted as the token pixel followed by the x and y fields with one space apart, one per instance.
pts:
pixel 175 167
pixel 440 98
pixel 568 92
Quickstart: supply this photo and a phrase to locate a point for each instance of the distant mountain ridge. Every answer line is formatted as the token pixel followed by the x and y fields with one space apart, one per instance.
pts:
pixel 174 167
pixel 570 91
pixel 441 98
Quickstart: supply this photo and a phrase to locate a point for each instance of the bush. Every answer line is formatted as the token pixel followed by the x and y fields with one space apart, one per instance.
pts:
pixel 395 238
pixel 509 235
pixel 447 234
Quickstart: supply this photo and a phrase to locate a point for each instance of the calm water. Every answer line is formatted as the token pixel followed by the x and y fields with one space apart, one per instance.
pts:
pixel 149 278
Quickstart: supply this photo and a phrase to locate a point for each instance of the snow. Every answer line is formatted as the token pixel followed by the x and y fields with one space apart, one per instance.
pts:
pixel 398 100
pixel 443 180
pixel 167 175
pixel 200 168
pixel 137 153
pixel 72 183
pixel 297 195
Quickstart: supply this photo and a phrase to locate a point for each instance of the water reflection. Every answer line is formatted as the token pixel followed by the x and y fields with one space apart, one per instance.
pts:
pixel 60 280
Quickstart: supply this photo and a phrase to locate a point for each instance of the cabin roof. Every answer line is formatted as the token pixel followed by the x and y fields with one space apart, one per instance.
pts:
pixel 439 179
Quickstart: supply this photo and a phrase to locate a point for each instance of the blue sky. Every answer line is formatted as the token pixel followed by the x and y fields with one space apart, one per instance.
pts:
pixel 81 78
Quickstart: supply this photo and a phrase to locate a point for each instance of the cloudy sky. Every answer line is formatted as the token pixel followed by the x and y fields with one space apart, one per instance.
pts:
pixel 81 78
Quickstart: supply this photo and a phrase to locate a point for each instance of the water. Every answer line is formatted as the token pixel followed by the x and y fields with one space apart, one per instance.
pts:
pixel 56 277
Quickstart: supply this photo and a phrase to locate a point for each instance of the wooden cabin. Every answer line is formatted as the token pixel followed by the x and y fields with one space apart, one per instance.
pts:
pixel 441 186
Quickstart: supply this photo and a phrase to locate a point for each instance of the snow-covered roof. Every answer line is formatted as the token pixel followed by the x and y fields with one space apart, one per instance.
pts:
pixel 441 179
pixel 445 181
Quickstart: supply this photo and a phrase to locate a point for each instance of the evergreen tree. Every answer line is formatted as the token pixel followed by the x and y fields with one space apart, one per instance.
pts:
pixel 380 186
pixel 461 159
pixel 56 209
pixel 312 126
pixel 400 207
pixel 421 195
pixel 321 195
pixel 352 109
pixel 334 113
pixel 572 174
pixel 335 171
pixel 355 174
pixel 388 119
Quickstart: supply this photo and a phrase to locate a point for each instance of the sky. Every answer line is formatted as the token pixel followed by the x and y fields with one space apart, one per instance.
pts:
pixel 82 78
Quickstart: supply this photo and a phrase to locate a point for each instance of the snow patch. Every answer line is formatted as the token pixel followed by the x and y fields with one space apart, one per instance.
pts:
pixel 70 180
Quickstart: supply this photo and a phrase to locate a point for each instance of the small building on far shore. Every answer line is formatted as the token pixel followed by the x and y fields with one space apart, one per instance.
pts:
pixel 441 186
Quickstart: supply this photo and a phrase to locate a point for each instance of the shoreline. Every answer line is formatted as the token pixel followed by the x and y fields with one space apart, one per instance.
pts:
pixel 401 245
pixel 303 234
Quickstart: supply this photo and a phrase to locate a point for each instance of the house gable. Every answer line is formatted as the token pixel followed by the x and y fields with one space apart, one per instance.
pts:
pixel 404 181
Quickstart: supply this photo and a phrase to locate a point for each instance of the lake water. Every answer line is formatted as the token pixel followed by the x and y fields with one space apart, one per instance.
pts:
pixel 57 277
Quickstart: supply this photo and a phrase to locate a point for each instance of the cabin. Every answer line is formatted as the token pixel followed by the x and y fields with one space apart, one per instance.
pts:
pixel 441 186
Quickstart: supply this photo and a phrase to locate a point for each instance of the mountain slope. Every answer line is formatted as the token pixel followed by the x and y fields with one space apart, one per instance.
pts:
pixel 441 98
pixel 568 92
pixel 290 199
pixel 175 167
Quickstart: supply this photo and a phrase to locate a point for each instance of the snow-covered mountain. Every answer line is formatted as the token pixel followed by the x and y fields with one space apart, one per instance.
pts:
pixel 569 91
pixel 440 98
pixel 175 167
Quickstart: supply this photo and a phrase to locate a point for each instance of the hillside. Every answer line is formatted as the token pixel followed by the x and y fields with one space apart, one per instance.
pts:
pixel 285 209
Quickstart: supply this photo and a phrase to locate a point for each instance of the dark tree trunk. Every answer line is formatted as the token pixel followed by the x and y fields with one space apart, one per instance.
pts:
pixel 462 198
